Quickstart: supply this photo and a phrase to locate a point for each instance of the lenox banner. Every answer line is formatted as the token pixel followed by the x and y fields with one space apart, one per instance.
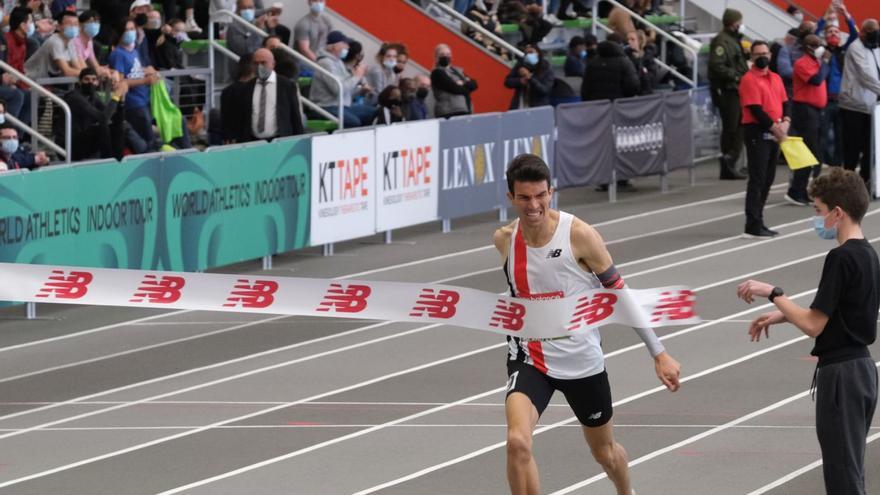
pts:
pixel 344 186
pixel 408 175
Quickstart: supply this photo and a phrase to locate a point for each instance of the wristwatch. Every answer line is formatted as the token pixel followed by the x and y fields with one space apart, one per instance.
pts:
pixel 776 292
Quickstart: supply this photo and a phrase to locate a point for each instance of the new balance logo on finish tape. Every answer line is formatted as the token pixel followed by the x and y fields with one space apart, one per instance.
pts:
pixel 674 306
pixel 588 311
pixel 508 315
pixel 66 286
pixel 345 299
pixel 156 290
pixel 252 294
pixel 436 305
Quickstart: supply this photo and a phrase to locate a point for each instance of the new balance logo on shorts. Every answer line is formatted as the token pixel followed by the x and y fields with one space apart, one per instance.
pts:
pixel 511 381
pixel 554 253
pixel 595 415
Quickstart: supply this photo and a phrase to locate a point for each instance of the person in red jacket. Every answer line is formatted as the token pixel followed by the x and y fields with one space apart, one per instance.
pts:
pixel 810 98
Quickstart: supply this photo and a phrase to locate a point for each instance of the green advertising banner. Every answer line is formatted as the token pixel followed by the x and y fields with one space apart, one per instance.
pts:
pixel 185 212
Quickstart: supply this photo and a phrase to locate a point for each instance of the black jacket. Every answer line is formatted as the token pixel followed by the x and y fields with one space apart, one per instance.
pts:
pixel 237 116
pixel 537 91
pixel 609 76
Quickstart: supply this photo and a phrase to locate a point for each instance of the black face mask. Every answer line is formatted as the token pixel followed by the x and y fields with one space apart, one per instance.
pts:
pixel 762 62
pixel 872 40
pixel 422 93
pixel 140 20
pixel 443 61
pixel 87 89
pixel 398 69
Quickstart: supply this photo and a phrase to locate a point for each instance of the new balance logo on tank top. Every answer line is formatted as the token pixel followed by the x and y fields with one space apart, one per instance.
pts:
pixel 551 272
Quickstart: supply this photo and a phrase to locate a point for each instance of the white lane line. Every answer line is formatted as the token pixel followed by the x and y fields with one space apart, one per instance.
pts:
pixel 368 272
pixel 411 426
pixel 809 467
pixel 489 448
pixel 247 416
pixel 695 438
pixel 620 351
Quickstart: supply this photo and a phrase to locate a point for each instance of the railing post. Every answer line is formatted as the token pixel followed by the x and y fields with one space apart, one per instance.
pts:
pixel 30 310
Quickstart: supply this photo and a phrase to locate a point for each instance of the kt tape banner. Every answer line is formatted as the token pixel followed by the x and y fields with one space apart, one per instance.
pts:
pixel 408 176
pixel 678 130
pixel 180 212
pixel 343 186
pixel 585 144
pixel 638 136
pixel 471 164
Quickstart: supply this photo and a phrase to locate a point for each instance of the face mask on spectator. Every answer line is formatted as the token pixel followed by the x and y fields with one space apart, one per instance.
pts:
pixel 71 32
pixel 317 7
pixel 248 14
pixel 87 89
pixel 140 20
pixel 181 36
pixel 819 51
pixel 92 29
pixel 263 72
pixel 129 37
pixel 762 62
pixel 833 40
pixel 872 39
pixel 154 23
pixel 31 29
pixel 742 28
pixel 531 59
pixel 582 53
pixel 343 53
pixel 443 61
pixel 422 93
pixel 397 69
pixel 10 146
pixel 389 63
pixel 2 118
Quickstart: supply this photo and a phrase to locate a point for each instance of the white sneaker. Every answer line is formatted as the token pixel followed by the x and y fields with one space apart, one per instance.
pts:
pixel 552 19
pixel 192 27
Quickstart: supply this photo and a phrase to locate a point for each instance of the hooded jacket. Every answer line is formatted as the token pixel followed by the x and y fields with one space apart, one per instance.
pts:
pixel 609 76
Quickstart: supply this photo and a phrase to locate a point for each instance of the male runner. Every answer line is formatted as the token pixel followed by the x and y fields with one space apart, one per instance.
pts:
pixel 550 254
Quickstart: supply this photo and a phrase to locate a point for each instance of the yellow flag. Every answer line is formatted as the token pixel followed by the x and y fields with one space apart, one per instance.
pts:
pixel 797 154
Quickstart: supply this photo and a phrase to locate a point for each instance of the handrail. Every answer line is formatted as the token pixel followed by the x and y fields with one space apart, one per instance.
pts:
pixel 309 103
pixel 30 130
pixel 485 32
pixel 53 81
pixel 298 56
pixel 68 122
pixel 664 34
pixel 807 13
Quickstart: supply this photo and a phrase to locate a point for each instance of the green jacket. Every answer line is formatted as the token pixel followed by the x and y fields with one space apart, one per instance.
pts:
pixel 727 60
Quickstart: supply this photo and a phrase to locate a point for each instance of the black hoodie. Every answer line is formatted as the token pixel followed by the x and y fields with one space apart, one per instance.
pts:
pixel 609 76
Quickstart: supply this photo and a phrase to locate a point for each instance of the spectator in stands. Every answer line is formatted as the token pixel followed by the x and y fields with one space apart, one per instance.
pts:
pixel 172 8
pixel 15 48
pixel 221 21
pixel 485 14
pixel 390 106
pixel 414 92
pixel 57 57
pixel 576 59
pixel 382 75
pixel 13 156
pixel 452 87
pixel 169 54
pixel 363 90
pixel 534 27
pixel 620 21
pixel 766 118
pixel 402 57
pixel 97 124
pixel 531 79
pixel 39 9
pixel 126 60
pixel 642 58
pixel 112 13
pixel 273 22
pixel 325 92
pixel 285 64
pixel 727 65
pixel 232 95
pixel 610 75
pixel 90 27
pixel 810 95
pixel 270 103
pixel 310 33
pixel 570 9
pixel 859 94
pixel 241 40
pixel 58 6
pixel 789 54
pixel 832 132
pixel 272 42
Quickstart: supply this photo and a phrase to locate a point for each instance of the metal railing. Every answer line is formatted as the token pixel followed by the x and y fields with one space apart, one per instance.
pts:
pixel 661 33
pixel 296 55
pixel 774 11
pixel 68 116
pixel 485 32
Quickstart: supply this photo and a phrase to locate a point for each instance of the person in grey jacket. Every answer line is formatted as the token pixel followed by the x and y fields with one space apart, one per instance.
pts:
pixel 325 92
pixel 859 94
pixel 384 74
pixel 452 87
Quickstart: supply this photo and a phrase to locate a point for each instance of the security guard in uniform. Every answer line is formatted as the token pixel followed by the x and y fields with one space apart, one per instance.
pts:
pixel 727 64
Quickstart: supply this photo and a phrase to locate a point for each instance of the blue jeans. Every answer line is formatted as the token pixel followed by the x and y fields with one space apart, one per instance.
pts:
pixel 14 99
pixel 462 6
pixel 141 121
pixel 355 115
pixel 831 135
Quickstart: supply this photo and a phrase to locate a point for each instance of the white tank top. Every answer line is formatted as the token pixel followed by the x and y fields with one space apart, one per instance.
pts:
pixel 551 272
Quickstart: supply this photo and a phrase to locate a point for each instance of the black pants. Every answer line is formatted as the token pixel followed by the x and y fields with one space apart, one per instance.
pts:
pixel 846 397
pixel 727 101
pixel 832 135
pixel 170 8
pixel 857 142
pixel 762 155
pixel 807 121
